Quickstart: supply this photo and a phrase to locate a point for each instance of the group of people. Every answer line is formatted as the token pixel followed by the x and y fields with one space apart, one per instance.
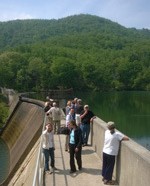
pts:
pixel 78 120
pixel 54 113
pixel 82 115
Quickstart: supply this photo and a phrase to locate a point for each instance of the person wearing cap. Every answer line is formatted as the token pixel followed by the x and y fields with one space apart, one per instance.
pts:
pixel 87 117
pixel 110 151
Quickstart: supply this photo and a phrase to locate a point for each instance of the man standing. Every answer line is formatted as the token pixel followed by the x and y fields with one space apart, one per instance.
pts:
pixel 110 151
pixel 79 109
pixel 87 117
pixel 56 116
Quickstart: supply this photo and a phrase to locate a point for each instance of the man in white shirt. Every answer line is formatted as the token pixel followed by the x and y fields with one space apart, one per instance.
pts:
pixel 110 150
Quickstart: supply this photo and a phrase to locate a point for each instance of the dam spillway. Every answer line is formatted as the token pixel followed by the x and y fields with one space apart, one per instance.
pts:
pixel 22 131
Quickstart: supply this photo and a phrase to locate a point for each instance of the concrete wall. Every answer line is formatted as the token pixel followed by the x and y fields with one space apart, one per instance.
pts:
pixel 133 161
pixel 21 132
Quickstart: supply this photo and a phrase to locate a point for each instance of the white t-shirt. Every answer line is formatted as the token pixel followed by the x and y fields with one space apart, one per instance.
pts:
pixel 112 142
pixel 48 139
pixel 78 119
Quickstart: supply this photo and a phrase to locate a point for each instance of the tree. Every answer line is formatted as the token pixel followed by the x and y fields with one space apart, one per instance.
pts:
pixel 64 73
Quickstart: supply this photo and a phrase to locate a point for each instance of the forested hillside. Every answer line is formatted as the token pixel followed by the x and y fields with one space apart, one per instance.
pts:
pixel 81 51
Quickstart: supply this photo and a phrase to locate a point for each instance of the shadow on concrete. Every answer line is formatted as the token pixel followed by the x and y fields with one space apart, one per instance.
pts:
pixel 87 151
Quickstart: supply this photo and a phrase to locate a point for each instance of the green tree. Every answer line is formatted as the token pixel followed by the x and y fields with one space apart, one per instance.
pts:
pixel 64 73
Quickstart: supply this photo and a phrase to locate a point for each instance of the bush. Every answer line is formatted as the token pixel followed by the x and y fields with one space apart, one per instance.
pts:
pixel 4 110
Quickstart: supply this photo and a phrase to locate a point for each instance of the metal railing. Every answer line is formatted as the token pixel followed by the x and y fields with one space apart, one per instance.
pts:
pixel 39 169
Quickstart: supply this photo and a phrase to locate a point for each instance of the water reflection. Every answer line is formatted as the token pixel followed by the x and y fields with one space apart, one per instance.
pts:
pixel 143 141
pixel 4 160
pixel 129 110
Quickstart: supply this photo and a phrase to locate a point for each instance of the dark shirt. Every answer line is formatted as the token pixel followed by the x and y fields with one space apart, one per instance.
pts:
pixel 86 119
pixel 79 109
pixel 46 108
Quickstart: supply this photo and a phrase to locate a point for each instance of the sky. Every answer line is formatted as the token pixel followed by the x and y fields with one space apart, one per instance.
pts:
pixel 128 13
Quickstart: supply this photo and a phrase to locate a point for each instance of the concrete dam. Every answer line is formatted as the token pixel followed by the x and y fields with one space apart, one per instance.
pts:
pixel 22 134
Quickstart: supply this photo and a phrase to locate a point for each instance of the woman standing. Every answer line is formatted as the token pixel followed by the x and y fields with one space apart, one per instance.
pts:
pixel 49 148
pixel 75 146
pixel 110 151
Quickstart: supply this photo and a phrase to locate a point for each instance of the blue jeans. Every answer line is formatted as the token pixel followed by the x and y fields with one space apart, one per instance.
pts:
pixel 49 153
pixel 85 132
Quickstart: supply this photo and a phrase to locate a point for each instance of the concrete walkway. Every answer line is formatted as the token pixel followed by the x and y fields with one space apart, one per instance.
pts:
pixel 90 175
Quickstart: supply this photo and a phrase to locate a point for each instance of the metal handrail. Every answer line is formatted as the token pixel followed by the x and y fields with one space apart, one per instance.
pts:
pixel 39 170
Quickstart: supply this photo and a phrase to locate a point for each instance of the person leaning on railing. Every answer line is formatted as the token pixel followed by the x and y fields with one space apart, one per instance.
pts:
pixel 110 151
pixel 87 117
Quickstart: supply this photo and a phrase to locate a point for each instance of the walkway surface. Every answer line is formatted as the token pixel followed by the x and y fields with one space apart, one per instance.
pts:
pixel 90 175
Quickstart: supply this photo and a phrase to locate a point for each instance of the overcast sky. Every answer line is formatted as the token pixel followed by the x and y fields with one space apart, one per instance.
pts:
pixel 128 13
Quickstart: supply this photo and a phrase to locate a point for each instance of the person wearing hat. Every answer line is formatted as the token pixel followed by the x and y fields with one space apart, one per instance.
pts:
pixel 87 117
pixel 110 151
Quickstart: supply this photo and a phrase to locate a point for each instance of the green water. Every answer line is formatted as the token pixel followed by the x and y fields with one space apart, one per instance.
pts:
pixel 4 161
pixel 129 110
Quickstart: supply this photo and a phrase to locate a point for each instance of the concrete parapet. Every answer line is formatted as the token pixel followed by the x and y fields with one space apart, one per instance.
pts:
pixel 133 167
pixel 133 161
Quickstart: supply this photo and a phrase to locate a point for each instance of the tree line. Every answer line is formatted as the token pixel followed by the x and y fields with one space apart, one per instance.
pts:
pixel 83 52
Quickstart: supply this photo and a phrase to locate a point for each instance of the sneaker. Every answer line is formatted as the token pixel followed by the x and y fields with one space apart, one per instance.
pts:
pixel 109 182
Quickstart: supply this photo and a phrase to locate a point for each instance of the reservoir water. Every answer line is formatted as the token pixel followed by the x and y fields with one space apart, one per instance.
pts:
pixel 129 110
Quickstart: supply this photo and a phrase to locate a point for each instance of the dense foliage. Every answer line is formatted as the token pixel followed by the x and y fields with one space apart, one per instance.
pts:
pixel 4 110
pixel 82 51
